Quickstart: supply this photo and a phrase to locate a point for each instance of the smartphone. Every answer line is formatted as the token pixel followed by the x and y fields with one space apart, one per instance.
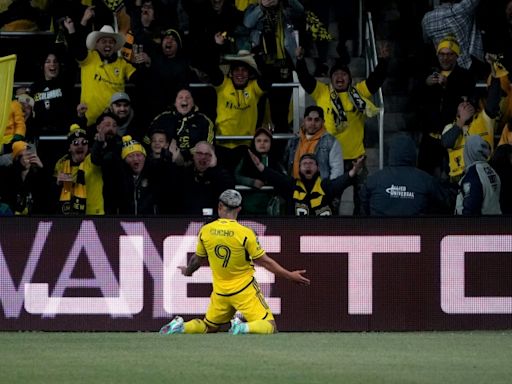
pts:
pixel 31 148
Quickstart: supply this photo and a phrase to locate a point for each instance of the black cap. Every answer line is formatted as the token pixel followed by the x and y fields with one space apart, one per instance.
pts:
pixel 308 156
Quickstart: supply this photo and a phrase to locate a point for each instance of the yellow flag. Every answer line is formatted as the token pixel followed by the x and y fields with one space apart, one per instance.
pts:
pixel 7 65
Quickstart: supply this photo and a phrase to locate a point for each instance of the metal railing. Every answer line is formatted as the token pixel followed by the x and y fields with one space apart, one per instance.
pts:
pixel 371 57
pixel 298 100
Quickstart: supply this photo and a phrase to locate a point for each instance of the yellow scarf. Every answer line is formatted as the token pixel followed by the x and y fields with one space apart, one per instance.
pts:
pixel 73 196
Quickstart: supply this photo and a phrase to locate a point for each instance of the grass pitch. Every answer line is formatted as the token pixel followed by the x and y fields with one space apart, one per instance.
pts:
pixel 412 357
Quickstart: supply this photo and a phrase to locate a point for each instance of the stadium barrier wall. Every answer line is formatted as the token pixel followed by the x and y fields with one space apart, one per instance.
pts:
pixel 368 274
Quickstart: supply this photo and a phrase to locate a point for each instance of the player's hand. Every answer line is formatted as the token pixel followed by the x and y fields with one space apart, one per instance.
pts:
pixel 184 271
pixel 296 277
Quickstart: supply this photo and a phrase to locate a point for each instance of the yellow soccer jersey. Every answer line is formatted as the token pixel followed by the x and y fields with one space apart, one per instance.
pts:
pixel 230 248
pixel 100 80
pixel 237 111
pixel 351 136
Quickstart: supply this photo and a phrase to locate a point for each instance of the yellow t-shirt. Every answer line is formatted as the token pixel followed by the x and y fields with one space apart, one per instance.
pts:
pixel 93 184
pixel 230 248
pixel 237 111
pixel 100 80
pixel 351 135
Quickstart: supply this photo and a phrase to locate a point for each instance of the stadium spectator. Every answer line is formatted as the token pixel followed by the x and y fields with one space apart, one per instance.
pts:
pixel 53 100
pixel 159 143
pixel 79 178
pixel 401 189
pixel 501 162
pixel 146 24
pixel 346 107
pixel 438 95
pixel 103 72
pixel 273 26
pixel 232 259
pixel 470 120
pixel 27 185
pixel 184 124
pixel 208 17
pixel 458 19
pixel 106 150
pixel 127 121
pixel 54 108
pixel 238 94
pixel 27 107
pixel 479 188
pixel 136 187
pixel 257 201
pixel 24 16
pixel 309 194
pixel 313 138
pixel 202 182
pixel 169 71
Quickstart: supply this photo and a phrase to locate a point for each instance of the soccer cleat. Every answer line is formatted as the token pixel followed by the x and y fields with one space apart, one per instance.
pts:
pixel 238 327
pixel 175 326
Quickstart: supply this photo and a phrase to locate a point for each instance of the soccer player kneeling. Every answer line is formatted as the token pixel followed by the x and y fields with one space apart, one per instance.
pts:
pixel 231 250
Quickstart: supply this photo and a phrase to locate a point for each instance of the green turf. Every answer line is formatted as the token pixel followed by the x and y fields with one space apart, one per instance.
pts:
pixel 415 357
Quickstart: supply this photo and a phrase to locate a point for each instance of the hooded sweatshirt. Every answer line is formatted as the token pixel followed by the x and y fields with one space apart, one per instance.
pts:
pixel 479 189
pixel 401 189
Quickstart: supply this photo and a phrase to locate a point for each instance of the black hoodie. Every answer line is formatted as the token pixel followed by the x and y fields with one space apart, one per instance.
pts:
pixel 401 189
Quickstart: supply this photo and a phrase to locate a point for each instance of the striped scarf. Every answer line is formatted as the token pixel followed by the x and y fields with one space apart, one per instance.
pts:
pixel 73 196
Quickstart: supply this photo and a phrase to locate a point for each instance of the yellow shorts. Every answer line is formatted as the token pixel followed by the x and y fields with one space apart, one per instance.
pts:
pixel 249 301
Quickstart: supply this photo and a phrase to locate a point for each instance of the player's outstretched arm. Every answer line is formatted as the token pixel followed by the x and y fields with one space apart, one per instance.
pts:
pixel 193 265
pixel 273 266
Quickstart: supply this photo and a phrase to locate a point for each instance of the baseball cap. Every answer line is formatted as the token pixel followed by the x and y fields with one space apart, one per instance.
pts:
pixel 119 96
pixel 231 198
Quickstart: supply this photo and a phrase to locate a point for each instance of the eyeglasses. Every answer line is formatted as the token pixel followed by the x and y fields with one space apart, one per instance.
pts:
pixel 80 142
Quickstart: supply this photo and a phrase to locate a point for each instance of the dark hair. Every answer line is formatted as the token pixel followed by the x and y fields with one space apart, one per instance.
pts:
pixel 314 108
pixel 106 114
pixel 340 66
pixel 159 130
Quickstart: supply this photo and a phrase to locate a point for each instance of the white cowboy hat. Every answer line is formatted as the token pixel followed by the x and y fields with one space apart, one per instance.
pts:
pixel 245 57
pixel 105 31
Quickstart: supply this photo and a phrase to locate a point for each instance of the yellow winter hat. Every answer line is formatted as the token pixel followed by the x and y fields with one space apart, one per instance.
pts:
pixel 451 43
pixel 17 148
pixel 130 146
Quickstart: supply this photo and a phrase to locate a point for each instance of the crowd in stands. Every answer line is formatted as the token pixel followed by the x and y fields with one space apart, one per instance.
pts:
pixel 141 140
